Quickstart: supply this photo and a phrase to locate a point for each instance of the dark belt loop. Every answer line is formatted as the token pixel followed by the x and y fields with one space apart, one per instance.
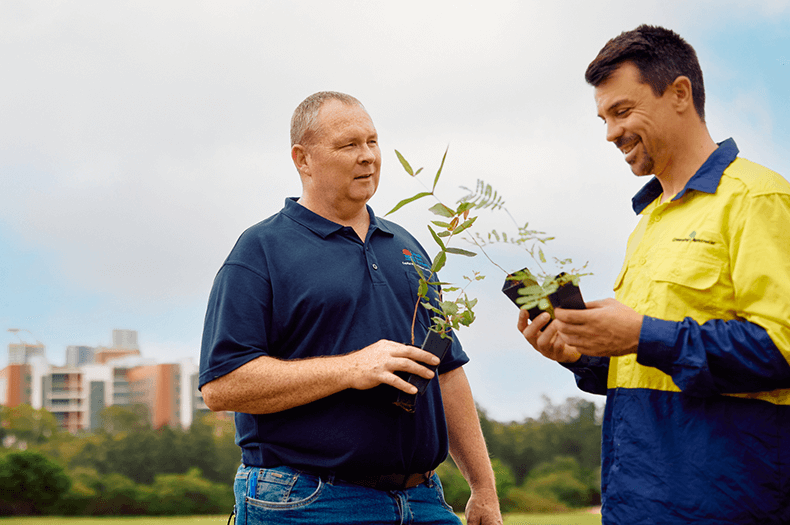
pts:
pixel 329 477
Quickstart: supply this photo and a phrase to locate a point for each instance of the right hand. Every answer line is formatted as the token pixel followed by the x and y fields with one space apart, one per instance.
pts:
pixel 548 342
pixel 376 365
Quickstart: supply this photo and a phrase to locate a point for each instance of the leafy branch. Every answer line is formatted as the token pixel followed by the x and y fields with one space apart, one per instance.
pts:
pixel 456 221
pixel 451 222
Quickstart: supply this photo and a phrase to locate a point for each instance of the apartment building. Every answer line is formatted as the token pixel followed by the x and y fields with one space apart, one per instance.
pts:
pixel 76 394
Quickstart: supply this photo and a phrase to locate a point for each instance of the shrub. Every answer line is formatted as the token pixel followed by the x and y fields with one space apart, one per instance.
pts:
pixel 456 490
pixel 188 494
pixel 30 483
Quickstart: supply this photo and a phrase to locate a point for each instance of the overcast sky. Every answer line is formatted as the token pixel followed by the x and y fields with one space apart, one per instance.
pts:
pixel 139 139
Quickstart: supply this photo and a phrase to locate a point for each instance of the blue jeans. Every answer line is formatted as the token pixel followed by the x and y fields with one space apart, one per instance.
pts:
pixel 285 496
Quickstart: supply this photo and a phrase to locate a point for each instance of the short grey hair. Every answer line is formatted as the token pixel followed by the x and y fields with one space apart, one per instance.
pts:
pixel 304 122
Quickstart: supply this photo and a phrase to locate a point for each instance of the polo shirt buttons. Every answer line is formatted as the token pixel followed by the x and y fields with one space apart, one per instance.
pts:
pixel 375 266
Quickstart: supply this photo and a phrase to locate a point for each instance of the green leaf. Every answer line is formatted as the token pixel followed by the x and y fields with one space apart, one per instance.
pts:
pixel 439 262
pixel 459 251
pixel 441 209
pixel 437 239
pixel 405 164
pixel 430 307
pixel 422 289
pixel 404 202
pixel 449 308
pixel 463 207
pixel 441 224
pixel 441 166
pixel 465 225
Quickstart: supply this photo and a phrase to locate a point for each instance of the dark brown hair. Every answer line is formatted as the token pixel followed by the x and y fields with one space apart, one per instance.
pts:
pixel 660 55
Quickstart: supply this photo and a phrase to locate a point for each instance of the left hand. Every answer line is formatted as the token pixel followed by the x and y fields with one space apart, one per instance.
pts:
pixel 483 508
pixel 605 328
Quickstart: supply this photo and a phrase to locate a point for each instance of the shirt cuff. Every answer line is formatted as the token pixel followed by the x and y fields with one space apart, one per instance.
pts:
pixel 657 343
pixel 584 362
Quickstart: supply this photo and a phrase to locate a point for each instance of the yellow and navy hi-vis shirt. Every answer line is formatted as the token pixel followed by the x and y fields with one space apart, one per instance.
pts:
pixel 697 423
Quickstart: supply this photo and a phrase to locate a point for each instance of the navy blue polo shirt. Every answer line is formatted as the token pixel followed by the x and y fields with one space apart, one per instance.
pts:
pixel 296 286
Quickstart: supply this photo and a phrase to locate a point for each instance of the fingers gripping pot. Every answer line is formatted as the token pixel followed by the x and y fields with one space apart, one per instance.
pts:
pixel 565 294
pixel 436 344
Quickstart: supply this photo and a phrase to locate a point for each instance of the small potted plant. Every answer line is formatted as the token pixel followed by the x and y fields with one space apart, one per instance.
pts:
pixel 449 314
pixel 457 222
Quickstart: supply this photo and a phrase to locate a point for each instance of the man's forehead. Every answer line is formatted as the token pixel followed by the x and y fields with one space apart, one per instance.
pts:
pixel 621 86
pixel 343 118
pixel 337 109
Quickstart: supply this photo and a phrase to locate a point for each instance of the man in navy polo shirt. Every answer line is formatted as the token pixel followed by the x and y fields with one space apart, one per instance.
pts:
pixel 303 339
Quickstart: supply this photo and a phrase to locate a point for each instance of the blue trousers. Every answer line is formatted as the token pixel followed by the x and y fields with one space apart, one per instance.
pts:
pixel 286 496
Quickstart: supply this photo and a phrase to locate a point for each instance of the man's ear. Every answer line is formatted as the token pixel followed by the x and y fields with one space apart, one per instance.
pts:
pixel 682 94
pixel 300 158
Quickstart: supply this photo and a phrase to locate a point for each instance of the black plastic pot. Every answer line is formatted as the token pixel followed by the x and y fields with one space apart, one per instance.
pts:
pixel 568 295
pixel 438 346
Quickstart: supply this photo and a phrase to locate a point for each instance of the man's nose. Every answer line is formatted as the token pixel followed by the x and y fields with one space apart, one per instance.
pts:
pixel 613 130
pixel 368 153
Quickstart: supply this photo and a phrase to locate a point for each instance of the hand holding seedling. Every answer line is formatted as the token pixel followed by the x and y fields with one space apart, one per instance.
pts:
pixel 546 341
pixel 605 328
pixel 377 364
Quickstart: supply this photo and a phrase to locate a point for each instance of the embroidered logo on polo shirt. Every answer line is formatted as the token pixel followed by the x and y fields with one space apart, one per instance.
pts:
pixel 692 238
pixel 415 258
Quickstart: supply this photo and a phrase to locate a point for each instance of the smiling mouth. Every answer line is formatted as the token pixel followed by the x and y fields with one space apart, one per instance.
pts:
pixel 627 149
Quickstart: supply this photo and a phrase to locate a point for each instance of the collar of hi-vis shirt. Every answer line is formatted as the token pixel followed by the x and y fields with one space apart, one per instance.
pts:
pixel 706 179
pixel 324 227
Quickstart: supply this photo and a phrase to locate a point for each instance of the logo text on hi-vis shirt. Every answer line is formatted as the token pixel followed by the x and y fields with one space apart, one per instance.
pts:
pixel 692 238
pixel 415 258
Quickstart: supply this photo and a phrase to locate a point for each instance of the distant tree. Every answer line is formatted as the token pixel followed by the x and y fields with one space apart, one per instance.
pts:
pixel 200 444
pixel 563 479
pixel 117 495
pixel 134 455
pixel 189 494
pixel 570 429
pixel 30 483
pixel 27 426
pixel 119 418
pixel 227 455
pixel 456 490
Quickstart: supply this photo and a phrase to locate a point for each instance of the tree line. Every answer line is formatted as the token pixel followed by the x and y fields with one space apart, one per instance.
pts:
pixel 126 467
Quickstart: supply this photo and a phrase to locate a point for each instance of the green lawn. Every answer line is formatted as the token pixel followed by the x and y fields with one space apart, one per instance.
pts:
pixel 576 518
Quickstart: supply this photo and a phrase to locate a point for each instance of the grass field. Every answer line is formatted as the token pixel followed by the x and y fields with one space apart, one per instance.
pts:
pixel 577 518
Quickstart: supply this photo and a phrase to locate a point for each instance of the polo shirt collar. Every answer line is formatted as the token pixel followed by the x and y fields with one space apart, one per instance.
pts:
pixel 705 180
pixel 324 227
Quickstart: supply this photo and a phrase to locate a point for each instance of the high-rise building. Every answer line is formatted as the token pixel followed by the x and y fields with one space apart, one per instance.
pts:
pixel 79 355
pixel 103 355
pixel 125 339
pixel 64 397
pixel 15 385
pixel 23 353
pixel 96 378
pixel 158 387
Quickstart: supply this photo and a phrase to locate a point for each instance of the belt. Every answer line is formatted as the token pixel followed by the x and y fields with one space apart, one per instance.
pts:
pixel 391 481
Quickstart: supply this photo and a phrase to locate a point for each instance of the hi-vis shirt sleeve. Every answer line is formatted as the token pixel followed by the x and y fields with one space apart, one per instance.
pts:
pixel 591 373
pixel 750 353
